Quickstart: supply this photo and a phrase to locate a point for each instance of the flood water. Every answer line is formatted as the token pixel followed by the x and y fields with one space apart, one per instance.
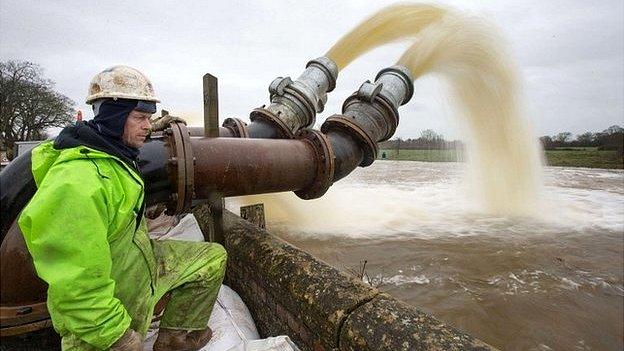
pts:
pixel 553 281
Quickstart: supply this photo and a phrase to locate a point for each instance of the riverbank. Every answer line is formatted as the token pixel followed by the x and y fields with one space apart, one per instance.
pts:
pixel 565 157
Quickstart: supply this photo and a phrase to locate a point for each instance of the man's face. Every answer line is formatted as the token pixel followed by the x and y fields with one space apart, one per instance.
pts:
pixel 136 128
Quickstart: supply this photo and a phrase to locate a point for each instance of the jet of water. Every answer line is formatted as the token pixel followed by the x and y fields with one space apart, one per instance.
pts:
pixel 483 80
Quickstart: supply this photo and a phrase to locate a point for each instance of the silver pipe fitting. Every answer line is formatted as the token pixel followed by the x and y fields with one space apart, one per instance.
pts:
pixel 397 84
pixel 371 114
pixel 294 104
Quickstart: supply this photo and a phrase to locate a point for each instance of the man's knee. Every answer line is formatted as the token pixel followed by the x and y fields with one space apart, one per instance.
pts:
pixel 215 259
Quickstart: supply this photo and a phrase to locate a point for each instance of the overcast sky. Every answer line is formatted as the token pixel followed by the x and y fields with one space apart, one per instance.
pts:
pixel 571 53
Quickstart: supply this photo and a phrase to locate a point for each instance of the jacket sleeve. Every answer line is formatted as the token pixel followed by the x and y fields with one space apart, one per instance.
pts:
pixel 66 230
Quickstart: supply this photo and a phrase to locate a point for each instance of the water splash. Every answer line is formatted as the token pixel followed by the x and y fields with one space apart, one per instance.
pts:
pixel 483 81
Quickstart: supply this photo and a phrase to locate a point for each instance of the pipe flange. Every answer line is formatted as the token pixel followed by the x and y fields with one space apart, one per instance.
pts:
pixel 344 123
pixel 304 101
pixel 237 126
pixel 266 115
pixel 181 164
pixel 325 164
pixel 394 113
pixel 382 104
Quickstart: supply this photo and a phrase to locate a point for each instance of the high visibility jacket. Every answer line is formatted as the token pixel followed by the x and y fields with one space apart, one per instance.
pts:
pixel 81 230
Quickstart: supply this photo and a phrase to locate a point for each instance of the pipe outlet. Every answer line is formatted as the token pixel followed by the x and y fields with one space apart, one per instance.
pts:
pixel 371 114
pixel 294 104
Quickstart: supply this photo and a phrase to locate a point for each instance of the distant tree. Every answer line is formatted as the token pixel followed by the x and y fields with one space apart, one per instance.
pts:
pixel 562 138
pixel 430 135
pixel 28 104
pixel 586 139
pixel 547 142
pixel 612 138
pixel 614 129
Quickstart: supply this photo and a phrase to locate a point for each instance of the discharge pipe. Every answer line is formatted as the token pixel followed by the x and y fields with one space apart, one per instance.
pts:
pixel 294 104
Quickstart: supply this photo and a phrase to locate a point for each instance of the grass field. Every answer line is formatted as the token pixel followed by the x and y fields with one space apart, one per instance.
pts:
pixel 587 157
pixel 566 157
pixel 420 155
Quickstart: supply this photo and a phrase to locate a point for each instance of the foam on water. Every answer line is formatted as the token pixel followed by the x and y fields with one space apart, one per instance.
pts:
pixel 424 200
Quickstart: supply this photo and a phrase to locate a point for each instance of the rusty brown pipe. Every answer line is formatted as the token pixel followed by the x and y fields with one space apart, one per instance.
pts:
pixel 237 128
pixel 233 166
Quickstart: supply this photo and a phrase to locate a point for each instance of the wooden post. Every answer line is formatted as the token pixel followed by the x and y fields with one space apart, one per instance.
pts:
pixel 211 130
pixel 211 106
pixel 254 214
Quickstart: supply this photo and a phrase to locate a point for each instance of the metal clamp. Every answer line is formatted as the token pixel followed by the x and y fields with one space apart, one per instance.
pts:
pixel 278 85
pixel 368 91
pixel 237 126
pixel 325 164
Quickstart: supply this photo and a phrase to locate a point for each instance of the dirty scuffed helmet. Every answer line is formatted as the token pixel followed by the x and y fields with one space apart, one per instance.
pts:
pixel 121 82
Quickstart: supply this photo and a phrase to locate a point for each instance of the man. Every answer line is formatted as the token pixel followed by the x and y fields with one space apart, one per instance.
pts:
pixel 86 232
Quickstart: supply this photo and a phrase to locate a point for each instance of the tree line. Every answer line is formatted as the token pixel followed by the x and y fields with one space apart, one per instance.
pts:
pixel 611 138
pixel 428 140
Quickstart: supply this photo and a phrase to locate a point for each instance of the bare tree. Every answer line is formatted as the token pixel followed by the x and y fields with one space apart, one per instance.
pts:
pixel 28 104
pixel 586 139
pixel 562 138
pixel 430 135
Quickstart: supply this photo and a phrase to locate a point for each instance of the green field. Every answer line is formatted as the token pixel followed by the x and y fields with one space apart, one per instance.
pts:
pixel 584 157
pixel 566 157
pixel 420 155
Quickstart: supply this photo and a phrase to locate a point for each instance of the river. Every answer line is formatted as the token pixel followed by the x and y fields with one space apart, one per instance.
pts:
pixel 552 281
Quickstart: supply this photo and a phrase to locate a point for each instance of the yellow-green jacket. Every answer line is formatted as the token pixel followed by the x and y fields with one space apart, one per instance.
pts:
pixel 81 230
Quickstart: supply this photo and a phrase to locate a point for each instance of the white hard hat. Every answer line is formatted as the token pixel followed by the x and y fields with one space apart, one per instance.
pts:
pixel 121 82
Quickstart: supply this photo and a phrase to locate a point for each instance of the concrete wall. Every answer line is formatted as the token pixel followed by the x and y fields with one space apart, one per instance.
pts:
pixel 289 292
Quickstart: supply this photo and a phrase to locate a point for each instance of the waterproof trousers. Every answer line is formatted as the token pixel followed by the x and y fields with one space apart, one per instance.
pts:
pixel 192 272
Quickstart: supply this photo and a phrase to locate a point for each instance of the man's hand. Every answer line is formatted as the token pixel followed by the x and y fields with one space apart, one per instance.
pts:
pixel 161 123
pixel 130 341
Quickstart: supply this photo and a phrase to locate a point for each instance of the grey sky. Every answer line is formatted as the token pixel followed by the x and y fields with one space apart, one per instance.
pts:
pixel 571 53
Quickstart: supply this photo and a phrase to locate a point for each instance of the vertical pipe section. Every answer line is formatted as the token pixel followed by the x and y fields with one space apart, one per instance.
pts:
pixel 294 104
pixel 368 116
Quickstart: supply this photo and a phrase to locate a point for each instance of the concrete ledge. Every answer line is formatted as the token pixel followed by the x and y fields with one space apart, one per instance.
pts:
pixel 289 292
pixel 388 324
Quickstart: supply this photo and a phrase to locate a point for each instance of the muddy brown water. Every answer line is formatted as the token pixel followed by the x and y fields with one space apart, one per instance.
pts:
pixel 548 282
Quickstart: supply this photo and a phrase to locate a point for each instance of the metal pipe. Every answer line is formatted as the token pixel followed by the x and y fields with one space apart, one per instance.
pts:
pixel 347 151
pixel 294 104
pixel 17 186
pixel 234 167
pixel 371 114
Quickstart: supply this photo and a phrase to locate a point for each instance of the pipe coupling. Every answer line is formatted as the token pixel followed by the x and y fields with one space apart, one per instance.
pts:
pixel 294 104
pixel 371 114
pixel 181 164
pixel 237 126
pixel 325 164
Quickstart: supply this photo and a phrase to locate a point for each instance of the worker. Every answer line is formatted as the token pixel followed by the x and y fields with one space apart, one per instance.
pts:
pixel 86 231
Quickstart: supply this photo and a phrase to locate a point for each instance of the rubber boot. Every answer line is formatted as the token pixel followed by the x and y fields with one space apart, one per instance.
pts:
pixel 181 340
pixel 130 341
